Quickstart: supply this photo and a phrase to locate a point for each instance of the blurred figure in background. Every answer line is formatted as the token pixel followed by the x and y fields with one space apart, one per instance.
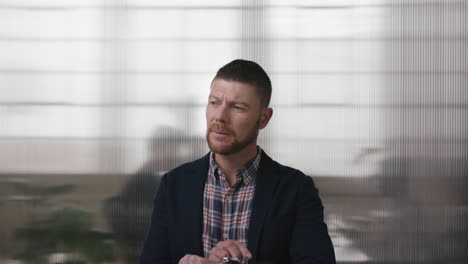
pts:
pixel 128 213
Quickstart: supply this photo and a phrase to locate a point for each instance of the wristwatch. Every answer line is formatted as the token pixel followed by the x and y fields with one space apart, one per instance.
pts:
pixel 230 260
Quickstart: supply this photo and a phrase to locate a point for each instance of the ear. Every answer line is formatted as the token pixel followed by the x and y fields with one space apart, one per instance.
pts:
pixel 265 117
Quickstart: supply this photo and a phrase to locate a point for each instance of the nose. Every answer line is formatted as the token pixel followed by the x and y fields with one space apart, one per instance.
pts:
pixel 221 114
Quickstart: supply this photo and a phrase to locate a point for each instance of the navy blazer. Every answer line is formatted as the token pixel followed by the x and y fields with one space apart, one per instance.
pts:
pixel 286 224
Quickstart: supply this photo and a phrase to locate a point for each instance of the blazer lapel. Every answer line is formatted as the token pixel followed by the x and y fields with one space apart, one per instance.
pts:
pixel 267 178
pixel 194 211
pixel 266 181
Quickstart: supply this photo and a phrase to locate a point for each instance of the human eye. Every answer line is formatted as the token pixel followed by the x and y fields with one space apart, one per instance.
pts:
pixel 236 107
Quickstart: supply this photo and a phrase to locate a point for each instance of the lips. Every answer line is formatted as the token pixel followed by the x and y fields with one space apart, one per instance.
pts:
pixel 219 129
pixel 221 132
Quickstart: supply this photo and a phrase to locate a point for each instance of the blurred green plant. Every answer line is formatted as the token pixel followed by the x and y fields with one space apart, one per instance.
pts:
pixel 64 230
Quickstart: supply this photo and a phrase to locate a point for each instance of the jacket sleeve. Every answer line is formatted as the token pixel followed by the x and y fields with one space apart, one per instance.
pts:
pixel 310 240
pixel 156 247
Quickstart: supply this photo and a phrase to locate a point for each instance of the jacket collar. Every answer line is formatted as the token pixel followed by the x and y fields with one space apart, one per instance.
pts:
pixel 193 218
pixel 267 178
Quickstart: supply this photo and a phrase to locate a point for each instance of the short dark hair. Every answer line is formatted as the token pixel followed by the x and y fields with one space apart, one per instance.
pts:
pixel 248 72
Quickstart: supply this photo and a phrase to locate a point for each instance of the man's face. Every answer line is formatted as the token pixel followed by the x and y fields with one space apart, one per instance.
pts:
pixel 234 116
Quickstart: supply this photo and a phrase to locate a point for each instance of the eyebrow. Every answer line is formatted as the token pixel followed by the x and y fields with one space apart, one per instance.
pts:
pixel 240 103
pixel 231 102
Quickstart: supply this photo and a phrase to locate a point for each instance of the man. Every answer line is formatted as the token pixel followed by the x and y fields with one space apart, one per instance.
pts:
pixel 236 201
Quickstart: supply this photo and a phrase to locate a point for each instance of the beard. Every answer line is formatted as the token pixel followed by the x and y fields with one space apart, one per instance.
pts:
pixel 235 145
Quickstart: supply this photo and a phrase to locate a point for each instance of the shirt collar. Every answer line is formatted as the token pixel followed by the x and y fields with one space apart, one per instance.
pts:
pixel 246 173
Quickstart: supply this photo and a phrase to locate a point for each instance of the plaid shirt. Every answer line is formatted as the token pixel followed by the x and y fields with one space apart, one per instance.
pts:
pixel 226 210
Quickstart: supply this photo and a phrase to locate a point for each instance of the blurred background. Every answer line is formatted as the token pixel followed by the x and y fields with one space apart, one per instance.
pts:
pixel 99 98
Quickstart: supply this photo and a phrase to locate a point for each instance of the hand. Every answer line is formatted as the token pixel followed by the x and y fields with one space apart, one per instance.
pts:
pixel 194 259
pixel 229 248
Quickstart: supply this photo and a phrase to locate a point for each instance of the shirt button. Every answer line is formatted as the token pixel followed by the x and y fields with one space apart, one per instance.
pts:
pixel 226 237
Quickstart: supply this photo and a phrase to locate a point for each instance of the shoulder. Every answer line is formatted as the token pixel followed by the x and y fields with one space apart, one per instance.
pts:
pixel 187 170
pixel 184 167
pixel 284 173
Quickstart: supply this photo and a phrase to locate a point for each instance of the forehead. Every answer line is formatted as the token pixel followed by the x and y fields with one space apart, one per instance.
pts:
pixel 233 90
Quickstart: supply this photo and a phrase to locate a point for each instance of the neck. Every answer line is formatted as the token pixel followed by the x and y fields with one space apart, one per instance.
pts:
pixel 230 163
